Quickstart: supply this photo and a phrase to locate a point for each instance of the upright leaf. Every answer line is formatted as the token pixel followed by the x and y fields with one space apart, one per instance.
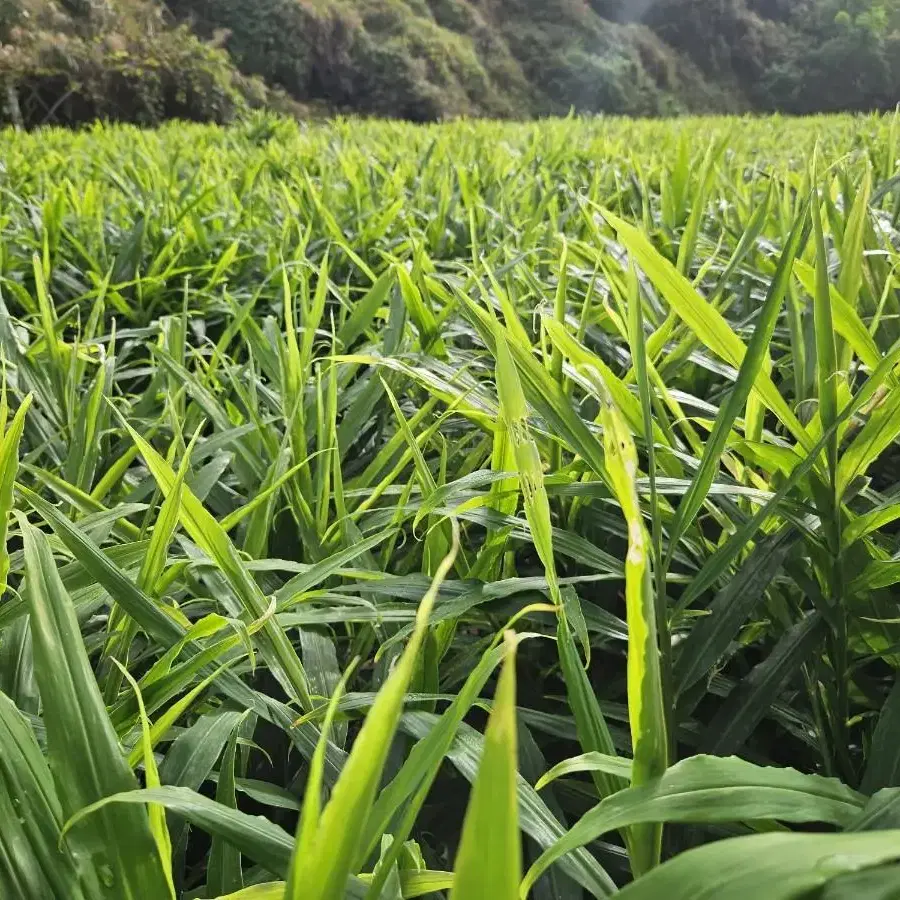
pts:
pixel 489 859
pixel 86 760
pixel 646 713
pixel 323 862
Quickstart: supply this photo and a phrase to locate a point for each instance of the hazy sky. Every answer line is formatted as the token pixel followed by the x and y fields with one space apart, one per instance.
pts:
pixel 633 10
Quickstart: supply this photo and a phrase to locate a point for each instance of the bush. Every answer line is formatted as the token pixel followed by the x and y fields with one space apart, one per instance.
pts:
pixel 131 68
pixel 274 39
pixel 847 72
pixel 72 60
pixel 725 39
pixel 385 57
pixel 843 57
pixel 422 60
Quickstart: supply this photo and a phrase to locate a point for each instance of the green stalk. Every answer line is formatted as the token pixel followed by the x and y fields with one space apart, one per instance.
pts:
pixel 830 510
pixel 639 360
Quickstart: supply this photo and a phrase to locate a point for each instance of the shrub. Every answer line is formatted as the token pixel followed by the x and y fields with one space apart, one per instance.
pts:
pixel 131 68
pixel 725 39
pixel 274 39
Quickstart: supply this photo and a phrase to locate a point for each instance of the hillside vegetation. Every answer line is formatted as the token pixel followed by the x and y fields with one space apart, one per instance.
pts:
pixel 346 465
pixel 75 60
pixel 72 60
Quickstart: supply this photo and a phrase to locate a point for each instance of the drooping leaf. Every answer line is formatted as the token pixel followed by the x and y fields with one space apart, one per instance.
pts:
pixel 777 866
pixel 711 789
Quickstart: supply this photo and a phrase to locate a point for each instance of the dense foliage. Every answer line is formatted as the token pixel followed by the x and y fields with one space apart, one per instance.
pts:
pixel 797 57
pixel 74 60
pixel 297 422
pixel 424 60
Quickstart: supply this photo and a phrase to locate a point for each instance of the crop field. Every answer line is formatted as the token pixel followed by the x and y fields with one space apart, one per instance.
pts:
pixel 473 511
